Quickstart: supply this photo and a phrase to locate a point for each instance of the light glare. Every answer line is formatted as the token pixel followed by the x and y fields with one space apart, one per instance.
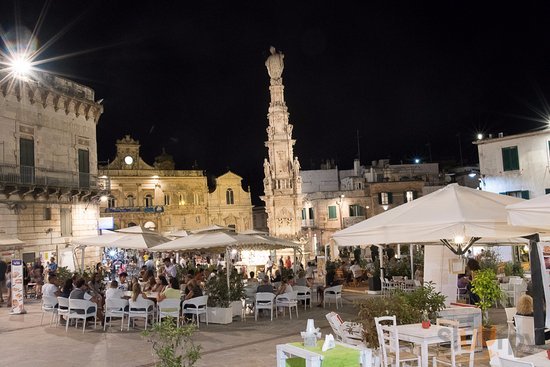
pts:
pixel 20 66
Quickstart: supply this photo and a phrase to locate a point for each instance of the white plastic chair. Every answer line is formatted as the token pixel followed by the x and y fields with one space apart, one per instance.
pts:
pixel 388 339
pixel 169 307
pixel 264 301
pixel 510 312
pixel 499 348
pixel 62 308
pixel 141 309
pixel 115 308
pixel 507 362
pixel 48 306
pixel 303 294
pixel 525 330
pixel 288 300
pixel 250 294
pixel 334 293
pixel 345 331
pixel 83 305
pixel 197 306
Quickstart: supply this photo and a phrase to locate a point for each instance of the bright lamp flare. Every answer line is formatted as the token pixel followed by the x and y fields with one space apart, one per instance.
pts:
pixel 20 66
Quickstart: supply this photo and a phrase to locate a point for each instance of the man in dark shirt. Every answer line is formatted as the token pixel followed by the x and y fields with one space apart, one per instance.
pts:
pixel 265 286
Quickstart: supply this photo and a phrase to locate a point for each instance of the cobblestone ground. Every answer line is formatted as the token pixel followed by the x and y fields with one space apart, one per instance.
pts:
pixel 24 342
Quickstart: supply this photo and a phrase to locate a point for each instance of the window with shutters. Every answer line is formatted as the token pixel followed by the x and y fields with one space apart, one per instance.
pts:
pixel 410 196
pixel 66 222
pixel 26 160
pixel 510 159
pixel 148 200
pixel 385 198
pixel 83 168
pixel 356 211
pixel 332 212
pixel 311 216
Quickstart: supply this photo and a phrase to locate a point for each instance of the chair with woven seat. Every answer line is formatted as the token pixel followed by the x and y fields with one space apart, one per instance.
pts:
pixel 288 300
pixel 461 351
pixel 264 301
pixel 196 306
pixel 141 308
pixel 388 339
pixel 334 293
pixel 49 304
pixel 169 307
pixel 115 308
pixel 81 309
pixel 510 362
pixel 303 294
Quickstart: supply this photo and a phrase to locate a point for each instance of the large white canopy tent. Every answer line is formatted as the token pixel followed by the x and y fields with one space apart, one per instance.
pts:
pixel 222 239
pixel 456 216
pixel 531 213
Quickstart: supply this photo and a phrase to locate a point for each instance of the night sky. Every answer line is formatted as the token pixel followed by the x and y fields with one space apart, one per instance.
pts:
pixel 412 77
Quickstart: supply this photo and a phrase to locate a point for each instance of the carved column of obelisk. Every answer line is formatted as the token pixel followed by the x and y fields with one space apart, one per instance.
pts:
pixel 282 182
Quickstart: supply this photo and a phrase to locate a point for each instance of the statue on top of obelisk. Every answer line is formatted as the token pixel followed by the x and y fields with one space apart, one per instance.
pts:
pixel 275 65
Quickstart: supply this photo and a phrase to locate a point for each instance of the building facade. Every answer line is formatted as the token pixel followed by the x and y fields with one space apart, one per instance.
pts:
pixel 282 181
pixel 516 165
pixel 165 199
pixel 48 167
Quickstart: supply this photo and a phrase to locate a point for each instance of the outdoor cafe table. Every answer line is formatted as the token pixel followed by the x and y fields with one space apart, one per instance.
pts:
pixel 538 359
pixel 414 333
pixel 343 355
pixel 151 295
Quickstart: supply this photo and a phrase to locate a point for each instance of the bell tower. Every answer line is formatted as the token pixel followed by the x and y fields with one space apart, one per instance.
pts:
pixel 282 182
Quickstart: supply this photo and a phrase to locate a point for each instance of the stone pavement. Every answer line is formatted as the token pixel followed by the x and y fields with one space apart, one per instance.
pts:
pixel 23 342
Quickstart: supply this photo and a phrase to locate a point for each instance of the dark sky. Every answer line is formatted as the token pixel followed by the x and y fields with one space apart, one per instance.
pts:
pixel 409 76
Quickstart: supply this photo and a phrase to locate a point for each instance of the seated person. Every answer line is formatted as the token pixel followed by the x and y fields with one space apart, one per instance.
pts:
pixel 524 307
pixel 193 291
pixel 172 291
pixel 462 284
pixel 122 284
pixel 149 284
pixel 301 281
pixel 252 281
pixel 356 272
pixel 67 288
pixel 277 277
pixel 285 287
pixel 50 289
pixel 162 282
pixel 330 281
pixel 80 293
pixel 113 292
pixel 265 286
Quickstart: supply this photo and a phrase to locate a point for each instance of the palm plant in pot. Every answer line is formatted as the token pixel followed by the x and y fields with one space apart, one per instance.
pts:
pixel 486 287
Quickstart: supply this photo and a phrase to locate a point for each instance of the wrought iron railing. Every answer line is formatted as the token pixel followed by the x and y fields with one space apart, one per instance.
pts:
pixel 46 177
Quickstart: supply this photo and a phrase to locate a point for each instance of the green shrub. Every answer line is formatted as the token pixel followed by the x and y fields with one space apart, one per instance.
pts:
pixel 486 287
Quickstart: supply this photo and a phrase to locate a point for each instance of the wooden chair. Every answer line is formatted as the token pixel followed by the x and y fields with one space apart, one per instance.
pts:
pixel 508 362
pixel 388 339
pixel 264 301
pixel 345 331
pixel 458 356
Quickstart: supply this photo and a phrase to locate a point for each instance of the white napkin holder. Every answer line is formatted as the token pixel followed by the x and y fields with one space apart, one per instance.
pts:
pixel 329 342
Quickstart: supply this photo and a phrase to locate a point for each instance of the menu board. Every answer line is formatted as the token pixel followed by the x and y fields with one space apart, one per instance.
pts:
pixel 544 255
pixel 17 287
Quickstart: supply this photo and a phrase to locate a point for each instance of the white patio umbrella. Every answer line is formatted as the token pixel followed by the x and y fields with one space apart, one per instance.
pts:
pixel 452 214
pixel 9 243
pixel 531 213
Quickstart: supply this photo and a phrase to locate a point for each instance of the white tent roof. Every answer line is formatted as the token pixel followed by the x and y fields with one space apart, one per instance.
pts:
pixel 221 239
pixel 447 213
pixel 10 241
pixel 132 238
pixel 531 213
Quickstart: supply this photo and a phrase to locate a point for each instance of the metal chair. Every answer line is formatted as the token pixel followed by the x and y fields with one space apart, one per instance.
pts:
pixel 288 300
pixel 197 306
pixel 141 309
pixel 264 301
pixel 86 308
pixel 388 339
pixel 334 293
pixel 115 308
pixel 48 306
pixel 303 294
pixel 169 307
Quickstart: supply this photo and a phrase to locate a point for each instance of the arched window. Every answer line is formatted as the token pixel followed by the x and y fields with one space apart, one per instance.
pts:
pixel 167 199
pixel 130 200
pixel 229 199
pixel 111 202
pixel 148 199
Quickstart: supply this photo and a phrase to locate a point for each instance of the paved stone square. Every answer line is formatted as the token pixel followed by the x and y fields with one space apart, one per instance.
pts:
pixel 243 343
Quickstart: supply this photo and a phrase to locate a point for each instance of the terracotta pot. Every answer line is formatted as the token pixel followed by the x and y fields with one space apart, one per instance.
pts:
pixel 488 333
pixel 426 324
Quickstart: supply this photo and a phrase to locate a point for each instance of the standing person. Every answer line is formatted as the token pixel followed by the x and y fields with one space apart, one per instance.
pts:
pixel 288 263
pixel 281 263
pixel 269 266
pixel 3 270
pixel 53 265
pixel 170 270
pixel 150 264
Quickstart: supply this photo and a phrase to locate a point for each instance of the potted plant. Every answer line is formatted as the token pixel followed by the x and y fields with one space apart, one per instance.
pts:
pixel 485 286
pixel 222 301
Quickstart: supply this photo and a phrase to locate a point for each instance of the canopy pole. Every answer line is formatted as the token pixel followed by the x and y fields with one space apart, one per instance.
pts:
pixel 228 269
pixel 411 252
pixel 538 289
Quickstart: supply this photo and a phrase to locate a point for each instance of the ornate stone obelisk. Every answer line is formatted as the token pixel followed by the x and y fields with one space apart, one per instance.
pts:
pixel 282 182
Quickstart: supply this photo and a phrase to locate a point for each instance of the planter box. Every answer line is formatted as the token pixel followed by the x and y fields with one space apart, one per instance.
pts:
pixel 237 308
pixel 218 315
